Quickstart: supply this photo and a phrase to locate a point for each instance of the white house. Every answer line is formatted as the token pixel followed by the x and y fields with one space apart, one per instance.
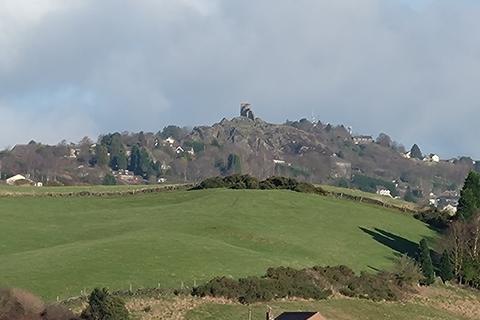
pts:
pixel 170 140
pixel 191 151
pixel 11 181
pixel 432 158
pixel 179 149
pixel 279 161
pixel 385 192
pixel 407 155
pixel 450 209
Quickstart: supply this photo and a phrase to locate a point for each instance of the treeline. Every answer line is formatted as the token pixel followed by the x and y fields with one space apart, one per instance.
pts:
pixel 316 283
pixel 111 152
pixel 461 241
pixel 248 182
pixel 16 304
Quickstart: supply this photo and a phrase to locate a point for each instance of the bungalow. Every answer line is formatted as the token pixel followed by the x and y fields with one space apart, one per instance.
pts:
pixel 363 139
pixel 384 192
pixel 12 180
pixel 432 158
pixel 300 316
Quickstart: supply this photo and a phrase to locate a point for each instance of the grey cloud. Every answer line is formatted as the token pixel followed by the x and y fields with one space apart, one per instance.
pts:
pixel 377 65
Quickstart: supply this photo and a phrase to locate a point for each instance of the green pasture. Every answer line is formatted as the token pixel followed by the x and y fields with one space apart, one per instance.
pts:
pixel 59 246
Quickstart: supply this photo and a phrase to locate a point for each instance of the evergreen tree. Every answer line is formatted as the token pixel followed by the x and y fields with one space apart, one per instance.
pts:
pixel 416 153
pixel 469 202
pixel 101 156
pixel 134 159
pixel 119 161
pixel 103 306
pixel 446 267
pixel 426 264
pixel 234 164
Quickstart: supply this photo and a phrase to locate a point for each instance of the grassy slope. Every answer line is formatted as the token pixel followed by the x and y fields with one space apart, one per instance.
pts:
pixel 387 200
pixel 338 309
pixel 57 246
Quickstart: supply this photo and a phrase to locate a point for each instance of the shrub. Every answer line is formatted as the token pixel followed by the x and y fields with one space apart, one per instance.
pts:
pixel 103 306
pixel 109 180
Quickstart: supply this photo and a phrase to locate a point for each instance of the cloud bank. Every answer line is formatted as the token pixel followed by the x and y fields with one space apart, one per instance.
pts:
pixel 84 67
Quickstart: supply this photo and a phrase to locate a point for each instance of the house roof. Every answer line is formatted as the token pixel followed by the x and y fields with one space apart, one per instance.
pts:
pixel 300 316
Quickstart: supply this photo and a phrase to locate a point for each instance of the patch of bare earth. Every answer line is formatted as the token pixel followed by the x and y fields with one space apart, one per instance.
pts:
pixel 463 302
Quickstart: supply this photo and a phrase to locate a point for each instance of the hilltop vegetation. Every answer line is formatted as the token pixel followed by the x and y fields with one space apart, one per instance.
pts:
pixel 313 152
pixel 62 246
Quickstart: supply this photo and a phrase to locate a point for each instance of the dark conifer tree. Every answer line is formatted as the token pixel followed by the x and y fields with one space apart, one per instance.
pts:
pixel 446 267
pixel 425 261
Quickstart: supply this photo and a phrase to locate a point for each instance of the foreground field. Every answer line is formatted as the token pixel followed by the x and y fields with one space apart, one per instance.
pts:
pixel 60 246
pixel 432 303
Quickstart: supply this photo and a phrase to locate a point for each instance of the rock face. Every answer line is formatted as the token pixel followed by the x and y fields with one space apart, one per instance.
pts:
pixel 246 111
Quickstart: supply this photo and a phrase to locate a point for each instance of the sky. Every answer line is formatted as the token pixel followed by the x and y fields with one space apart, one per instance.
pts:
pixel 74 68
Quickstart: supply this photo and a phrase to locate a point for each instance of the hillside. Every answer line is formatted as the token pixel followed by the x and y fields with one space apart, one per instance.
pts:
pixel 314 152
pixel 62 245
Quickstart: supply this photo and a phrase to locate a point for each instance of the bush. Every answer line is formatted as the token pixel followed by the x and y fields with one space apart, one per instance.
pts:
pixel 315 283
pixel 103 306
pixel 109 180
pixel 238 181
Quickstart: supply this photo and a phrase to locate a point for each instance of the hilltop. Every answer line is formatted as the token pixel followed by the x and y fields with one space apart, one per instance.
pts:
pixel 309 151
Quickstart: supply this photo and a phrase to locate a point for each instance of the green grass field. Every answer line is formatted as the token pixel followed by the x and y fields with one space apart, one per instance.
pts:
pixel 59 246
pixel 387 200
pixel 338 309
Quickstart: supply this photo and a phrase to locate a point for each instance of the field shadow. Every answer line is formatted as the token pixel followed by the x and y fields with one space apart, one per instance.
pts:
pixel 395 242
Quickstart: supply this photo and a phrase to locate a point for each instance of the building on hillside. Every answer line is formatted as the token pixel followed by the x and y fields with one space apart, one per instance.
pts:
pixel 432 158
pixel 384 192
pixel 363 139
pixel 299 316
pixel 170 140
pixel 191 152
pixel 450 209
pixel 179 150
pixel 13 180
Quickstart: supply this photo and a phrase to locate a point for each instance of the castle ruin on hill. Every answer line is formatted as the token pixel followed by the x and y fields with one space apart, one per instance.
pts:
pixel 246 110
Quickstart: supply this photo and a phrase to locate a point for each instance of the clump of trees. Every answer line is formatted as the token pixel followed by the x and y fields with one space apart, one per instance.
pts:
pixel 248 182
pixel 315 283
pixel 461 258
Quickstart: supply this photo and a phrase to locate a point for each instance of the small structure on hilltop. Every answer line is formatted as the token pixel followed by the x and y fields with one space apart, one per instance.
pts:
pixel 299 316
pixel 363 139
pixel 246 110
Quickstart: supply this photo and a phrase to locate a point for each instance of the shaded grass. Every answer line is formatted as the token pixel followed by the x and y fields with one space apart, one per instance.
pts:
pixel 59 246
